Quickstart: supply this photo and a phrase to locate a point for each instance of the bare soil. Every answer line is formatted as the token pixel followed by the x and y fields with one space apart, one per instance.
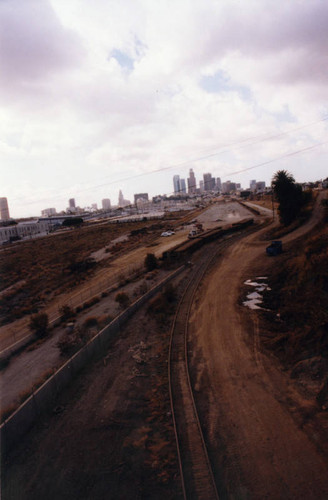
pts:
pixel 266 439
pixel 110 435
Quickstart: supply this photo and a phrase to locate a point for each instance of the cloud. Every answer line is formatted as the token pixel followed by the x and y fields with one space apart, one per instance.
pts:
pixel 113 89
pixel 34 46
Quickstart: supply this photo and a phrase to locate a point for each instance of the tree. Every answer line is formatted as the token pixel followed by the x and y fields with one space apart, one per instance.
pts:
pixel 39 324
pixel 151 262
pixel 289 195
pixel 73 222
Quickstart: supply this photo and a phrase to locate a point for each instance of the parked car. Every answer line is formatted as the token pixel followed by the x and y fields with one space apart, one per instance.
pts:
pixel 168 233
pixel 275 248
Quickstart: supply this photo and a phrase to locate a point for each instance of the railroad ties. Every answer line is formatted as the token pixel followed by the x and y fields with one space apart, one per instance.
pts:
pixel 196 472
pixel 197 477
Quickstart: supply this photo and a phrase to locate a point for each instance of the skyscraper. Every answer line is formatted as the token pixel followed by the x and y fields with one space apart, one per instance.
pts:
pixel 208 182
pixel 176 184
pixel 120 199
pixel 191 182
pixel 218 184
pixel 105 203
pixel 183 186
pixel 71 203
pixel 4 210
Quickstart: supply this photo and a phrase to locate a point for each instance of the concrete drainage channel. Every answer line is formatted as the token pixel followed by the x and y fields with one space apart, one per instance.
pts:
pixel 12 429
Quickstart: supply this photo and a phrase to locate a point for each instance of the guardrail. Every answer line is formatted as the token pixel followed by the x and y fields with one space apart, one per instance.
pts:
pixel 13 428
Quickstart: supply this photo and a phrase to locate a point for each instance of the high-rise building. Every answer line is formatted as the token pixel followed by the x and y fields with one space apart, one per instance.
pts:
pixel 176 184
pixel 201 186
pixel 208 182
pixel 183 186
pixel 252 185
pixel 105 203
pixel 191 182
pixel 218 184
pixel 120 199
pixel 71 203
pixel 4 210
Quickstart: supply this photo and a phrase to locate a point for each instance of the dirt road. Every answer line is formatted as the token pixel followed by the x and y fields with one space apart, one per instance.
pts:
pixel 250 407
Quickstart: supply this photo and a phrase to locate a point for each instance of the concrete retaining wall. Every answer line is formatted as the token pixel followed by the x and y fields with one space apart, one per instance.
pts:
pixel 14 428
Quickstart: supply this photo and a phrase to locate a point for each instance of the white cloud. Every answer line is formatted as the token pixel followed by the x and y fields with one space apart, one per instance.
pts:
pixel 94 93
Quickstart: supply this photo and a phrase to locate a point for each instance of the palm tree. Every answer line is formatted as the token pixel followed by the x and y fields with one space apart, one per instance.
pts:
pixel 283 184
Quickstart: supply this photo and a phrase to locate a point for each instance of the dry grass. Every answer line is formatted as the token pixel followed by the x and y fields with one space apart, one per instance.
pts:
pixel 47 265
pixel 300 294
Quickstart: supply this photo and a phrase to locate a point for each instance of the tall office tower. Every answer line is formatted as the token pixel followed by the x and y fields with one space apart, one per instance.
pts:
pixel 4 210
pixel 218 184
pixel 252 185
pixel 191 182
pixel 120 199
pixel 105 203
pixel 183 186
pixel 208 182
pixel 176 184
pixel 71 203
pixel 201 186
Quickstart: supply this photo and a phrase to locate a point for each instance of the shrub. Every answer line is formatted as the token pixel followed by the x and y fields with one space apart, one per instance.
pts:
pixel 151 262
pixel 123 299
pixel 39 324
pixel 66 312
pixel 90 322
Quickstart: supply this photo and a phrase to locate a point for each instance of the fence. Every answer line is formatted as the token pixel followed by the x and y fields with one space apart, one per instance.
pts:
pixel 12 429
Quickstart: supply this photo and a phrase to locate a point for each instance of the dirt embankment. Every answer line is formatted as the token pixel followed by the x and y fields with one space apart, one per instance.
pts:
pixel 266 438
pixel 110 435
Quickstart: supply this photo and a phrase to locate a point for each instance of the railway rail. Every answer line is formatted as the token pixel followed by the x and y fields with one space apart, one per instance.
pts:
pixel 195 468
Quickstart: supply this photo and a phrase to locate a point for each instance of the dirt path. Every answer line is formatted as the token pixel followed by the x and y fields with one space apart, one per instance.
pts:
pixel 258 447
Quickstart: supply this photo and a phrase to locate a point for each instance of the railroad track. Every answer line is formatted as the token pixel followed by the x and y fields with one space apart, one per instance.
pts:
pixel 195 468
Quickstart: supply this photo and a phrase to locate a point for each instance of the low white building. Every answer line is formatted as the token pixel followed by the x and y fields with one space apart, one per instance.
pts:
pixel 27 229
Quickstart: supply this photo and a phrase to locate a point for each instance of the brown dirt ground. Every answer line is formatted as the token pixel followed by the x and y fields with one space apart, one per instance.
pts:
pixel 265 438
pixel 110 435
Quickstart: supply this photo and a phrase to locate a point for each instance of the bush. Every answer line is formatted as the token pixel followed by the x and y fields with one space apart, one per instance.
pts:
pixel 90 322
pixel 151 262
pixel 66 312
pixel 39 324
pixel 123 299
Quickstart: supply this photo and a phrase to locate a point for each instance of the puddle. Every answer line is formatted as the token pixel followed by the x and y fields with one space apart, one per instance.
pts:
pixel 254 299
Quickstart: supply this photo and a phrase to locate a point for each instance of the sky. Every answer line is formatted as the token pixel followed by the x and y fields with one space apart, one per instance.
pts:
pixel 102 95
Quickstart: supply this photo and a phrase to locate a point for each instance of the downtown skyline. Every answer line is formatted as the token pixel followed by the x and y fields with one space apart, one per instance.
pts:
pixel 121 96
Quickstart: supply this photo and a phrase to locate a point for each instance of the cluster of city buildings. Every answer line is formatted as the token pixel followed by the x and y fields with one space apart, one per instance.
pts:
pixel 186 194
pixel 211 184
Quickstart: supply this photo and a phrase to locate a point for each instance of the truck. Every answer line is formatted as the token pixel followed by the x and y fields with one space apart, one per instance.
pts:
pixel 195 230
pixel 275 248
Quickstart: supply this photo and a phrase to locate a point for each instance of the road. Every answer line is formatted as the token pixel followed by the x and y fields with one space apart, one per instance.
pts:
pixel 257 443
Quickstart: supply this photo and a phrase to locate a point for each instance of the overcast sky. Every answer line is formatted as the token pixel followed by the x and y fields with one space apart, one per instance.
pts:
pixel 102 95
